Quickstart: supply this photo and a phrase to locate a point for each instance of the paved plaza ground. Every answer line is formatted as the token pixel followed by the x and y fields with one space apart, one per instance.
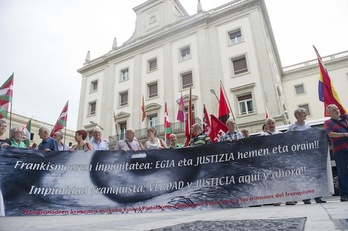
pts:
pixel 332 215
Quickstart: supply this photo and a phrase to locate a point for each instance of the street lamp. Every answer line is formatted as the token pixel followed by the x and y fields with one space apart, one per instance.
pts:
pixel 213 92
pixel 96 124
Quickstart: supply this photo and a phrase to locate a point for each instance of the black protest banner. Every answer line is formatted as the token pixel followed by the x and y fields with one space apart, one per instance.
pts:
pixel 257 170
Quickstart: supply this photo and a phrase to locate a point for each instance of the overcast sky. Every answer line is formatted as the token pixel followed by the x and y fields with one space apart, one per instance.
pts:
pixel 44 42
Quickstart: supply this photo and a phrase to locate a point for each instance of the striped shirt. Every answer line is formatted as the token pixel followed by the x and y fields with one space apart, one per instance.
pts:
pixel 339 126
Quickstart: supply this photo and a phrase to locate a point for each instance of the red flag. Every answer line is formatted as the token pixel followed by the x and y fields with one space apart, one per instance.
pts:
pixel 62 120
pixel 143 113
pixel 181 115
pixel 326 91
pixel 224 111
pixel 167 128
pixel 267 115
pixel 217 129
pixel 206 122
pixel 189 120
pixel 6 92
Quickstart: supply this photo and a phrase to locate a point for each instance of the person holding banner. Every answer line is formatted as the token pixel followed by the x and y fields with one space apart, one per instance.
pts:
pixel 173 141
pixel 271 128
pixel 16 134
pixel 300 125
pixel 80 137
pixel 154 142
pixel 59 137
pixel 231 134
pixel 97 142
pixel 129 143
pixel 4 142
pixel 337 130
pixel 48 143
pixel 245 132
pixel 199 137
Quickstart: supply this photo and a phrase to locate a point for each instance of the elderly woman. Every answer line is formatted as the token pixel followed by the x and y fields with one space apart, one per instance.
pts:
pixel 153 142
pixel 80 137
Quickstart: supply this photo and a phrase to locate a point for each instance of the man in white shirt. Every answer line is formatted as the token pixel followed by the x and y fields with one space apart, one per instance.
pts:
pixel 97 142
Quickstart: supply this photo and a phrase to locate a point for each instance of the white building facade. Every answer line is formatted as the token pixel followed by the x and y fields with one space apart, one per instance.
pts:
pixel 170 51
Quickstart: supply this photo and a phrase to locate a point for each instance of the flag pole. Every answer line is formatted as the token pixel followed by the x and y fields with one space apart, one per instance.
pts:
pixel 64 138
pixel 118 138
pixel 10 114
pixel 11 103
pixel 229 105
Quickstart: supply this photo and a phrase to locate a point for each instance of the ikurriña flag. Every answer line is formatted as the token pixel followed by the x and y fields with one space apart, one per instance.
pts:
pixel 6 92
pixel 62 120
pixel 224 111
pixel 167 128
pixel 326 91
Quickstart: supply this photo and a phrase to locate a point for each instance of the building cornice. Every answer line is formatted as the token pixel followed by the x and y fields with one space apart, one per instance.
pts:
pixel 186 25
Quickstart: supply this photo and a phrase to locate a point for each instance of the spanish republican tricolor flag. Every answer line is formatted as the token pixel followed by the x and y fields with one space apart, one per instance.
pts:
pixel 326 91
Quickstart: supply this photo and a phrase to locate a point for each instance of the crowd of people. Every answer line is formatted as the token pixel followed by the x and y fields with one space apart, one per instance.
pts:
pixel 336 128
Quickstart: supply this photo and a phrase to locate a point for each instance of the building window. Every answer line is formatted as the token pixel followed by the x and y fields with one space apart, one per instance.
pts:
pixel 124 74
pixel 245 104
pixel 186 79
pixel 299 89
pixel 123 128
pixel 92 107
pixel 305 106
pixel 239 65
pixel 153 120
pixel 94 86
pixel 152 64
pixel 193 111
pixel 185 53
pixel 235 36
pixel 152 90
pixel 124 98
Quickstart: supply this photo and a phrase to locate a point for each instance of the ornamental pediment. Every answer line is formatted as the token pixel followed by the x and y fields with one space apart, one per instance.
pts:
pixel 122 115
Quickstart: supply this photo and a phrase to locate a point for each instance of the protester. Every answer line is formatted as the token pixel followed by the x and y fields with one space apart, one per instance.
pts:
pixel 337 130
pixel 264 128
pixel 198 137
pixel 97 141
pixel 245 132
pixel 231 134
pixel 16 134
pixel 173 141
pixel 4 142
pixel 300 125
pixel 59 137
pixel 129 143
pixel 48 144
pixel 80 137
pixel 271 128
pixel 153 142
